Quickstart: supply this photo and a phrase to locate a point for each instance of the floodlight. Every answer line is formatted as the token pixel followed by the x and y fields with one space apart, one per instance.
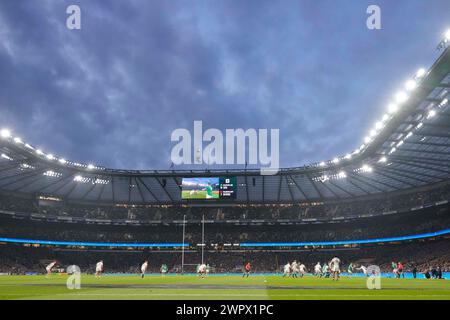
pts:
pixel 447 35
pixel 401 97
pixel 443 102
pixel 392 108
pixel 420 73
pixel 410 85
pixel 5 133
pixel 378 125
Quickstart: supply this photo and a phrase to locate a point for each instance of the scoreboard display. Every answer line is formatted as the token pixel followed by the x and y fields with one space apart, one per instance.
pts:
pixel 227 188
pixel 209 188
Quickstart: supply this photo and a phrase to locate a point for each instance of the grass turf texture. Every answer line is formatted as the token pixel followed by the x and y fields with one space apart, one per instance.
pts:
pixel 219 288
pixel 201 194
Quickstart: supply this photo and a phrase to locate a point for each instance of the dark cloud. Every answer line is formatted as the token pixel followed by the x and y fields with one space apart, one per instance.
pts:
pixel 112 92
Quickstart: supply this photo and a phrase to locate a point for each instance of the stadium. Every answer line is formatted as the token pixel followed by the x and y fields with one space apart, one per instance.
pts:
pixel 384 205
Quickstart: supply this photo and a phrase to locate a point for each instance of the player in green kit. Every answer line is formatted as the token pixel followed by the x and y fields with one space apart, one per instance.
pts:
pixel 209 191
pixel 350 269
pixel 325 272
pixel 394 269
pixel 164 269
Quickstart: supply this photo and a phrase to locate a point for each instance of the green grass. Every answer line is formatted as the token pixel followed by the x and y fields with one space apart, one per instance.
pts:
pixel 218 288
pixel 201 194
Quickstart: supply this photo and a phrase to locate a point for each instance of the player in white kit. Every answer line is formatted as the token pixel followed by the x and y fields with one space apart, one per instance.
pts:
pixel 144 268
pixel 363 269
pixel 202 270
pixel 335 268
pixel 50 267
pixel 295 269
pixel 99 269
pixel 302 270
pixel 287 270
pixel 318 270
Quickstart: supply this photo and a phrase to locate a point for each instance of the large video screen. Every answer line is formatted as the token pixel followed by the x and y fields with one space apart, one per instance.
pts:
pixel 208 188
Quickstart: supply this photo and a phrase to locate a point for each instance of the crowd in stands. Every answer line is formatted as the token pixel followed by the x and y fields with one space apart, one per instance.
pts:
pixel 420 221
pixel 426 256
pixel 240 212
pixel 423 256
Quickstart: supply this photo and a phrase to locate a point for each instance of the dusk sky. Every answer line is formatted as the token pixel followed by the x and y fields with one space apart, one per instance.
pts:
pixel 112 92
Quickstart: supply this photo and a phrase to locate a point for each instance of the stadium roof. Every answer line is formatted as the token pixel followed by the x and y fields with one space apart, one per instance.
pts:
pixel 408 148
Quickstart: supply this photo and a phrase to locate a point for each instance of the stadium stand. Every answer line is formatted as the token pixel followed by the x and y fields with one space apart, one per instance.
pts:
pixel 395 185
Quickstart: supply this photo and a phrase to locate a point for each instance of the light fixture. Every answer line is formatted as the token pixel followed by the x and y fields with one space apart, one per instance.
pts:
pixel 342 174
pixel 382 159
pixel 62 161
pixel 392 108
pixel 90 166
pixel 378 125
pixel 410 85
pixel 4 156
pixel 420 73
pixel 5 133
pixel 447 35
pixel 401 97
